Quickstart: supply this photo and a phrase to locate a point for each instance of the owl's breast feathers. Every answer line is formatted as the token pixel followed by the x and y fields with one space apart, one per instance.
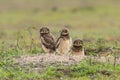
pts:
pixel 48 41
pixel 61 38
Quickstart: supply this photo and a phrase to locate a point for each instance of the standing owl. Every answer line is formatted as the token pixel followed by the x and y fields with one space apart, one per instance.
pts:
pixel 64 42
pixel 47 40
pixel 77 48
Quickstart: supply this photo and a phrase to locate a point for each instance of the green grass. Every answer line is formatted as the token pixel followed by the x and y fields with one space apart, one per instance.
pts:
pixel 84 71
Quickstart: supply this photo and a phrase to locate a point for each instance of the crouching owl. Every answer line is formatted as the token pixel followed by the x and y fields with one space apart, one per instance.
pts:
pixel 77 48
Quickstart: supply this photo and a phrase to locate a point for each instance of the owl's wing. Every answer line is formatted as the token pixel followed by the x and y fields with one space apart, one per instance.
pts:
pixel 58 42
pixel 48 41
pixel 70 42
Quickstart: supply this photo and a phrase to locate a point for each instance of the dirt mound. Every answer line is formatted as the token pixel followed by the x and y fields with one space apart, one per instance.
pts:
pixel 45 60
pixel 49 59
pixel 40 62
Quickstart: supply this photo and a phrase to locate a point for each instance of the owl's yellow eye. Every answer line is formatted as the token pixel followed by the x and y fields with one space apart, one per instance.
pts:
pixel 41 31
pixel 65 31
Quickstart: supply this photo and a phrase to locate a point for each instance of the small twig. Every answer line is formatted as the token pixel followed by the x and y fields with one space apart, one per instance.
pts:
pixel 115 60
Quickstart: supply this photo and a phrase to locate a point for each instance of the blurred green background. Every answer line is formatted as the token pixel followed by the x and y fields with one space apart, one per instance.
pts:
pixel 84 18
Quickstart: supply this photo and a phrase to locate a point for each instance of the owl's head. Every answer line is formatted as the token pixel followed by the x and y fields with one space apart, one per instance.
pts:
pixel 64 32
pixel 78 43
pixel 44 30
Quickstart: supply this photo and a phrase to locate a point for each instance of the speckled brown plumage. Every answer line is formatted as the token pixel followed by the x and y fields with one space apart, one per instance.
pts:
pixel 47 40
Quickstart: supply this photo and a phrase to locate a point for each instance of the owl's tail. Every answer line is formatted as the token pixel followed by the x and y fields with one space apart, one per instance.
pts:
pixel 53 49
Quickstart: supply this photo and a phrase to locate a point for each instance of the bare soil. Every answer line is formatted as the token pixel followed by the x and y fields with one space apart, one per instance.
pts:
pixel 40 62
pixel 49 59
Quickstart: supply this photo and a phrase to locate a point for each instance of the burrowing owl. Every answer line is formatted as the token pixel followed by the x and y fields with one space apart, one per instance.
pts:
pixel 47 40
pixel 77 48
pixel 64 42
